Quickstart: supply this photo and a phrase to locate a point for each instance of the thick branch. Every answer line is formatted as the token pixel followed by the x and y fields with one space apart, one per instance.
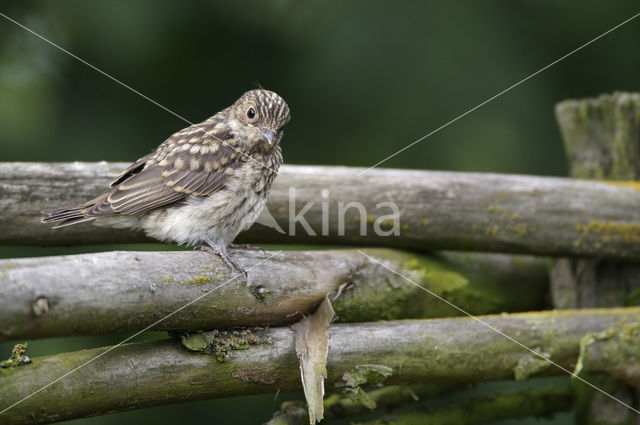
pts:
pixel 615 351
pixel 127 291
pixel 443 350
pixel 438 210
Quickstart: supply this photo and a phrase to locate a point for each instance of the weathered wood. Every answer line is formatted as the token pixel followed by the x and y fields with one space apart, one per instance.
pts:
pixel 542 402
pixel 127 291
pixel 602 139
pixel 438 210
pixel 601 136
pixel 615 351
pixel 139 375
pixel 521 404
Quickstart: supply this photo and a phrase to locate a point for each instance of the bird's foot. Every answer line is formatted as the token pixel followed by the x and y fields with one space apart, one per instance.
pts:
pixel 247 247
pixel 220 252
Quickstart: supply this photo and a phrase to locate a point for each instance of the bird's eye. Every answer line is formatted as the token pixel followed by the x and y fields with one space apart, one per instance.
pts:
pixel 251 113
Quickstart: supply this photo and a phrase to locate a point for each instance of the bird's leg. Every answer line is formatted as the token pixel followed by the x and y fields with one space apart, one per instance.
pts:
pixel 214 248
pixel 246 247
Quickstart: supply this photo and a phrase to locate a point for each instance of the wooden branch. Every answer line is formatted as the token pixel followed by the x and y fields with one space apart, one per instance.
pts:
pixel 615 351
pixel 338 406
pixel 424 351
pixel 539 402
pixel 127 291
pixel 438 210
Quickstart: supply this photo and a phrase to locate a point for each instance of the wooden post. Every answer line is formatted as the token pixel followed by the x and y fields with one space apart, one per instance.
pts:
pixel 601 137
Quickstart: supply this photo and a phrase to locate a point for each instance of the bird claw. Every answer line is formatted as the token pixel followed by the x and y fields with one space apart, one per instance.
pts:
pixel 214 249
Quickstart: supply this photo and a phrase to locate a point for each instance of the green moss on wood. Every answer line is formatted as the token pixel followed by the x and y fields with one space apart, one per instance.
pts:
pixel 352 381
pixel 470 281
pixel 530 365
pixel 615 351
pixel 221 343
pixel 534 402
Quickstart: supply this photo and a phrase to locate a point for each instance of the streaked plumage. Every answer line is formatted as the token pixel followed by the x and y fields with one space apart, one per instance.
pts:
pixel 203 185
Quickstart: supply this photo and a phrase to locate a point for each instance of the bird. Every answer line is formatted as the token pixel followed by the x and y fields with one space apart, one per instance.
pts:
pixel 201 186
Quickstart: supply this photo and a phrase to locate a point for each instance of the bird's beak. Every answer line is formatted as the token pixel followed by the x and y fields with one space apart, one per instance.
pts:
pixel 269 135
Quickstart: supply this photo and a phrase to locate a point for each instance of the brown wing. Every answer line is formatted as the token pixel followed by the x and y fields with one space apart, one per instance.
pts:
pixel 178 169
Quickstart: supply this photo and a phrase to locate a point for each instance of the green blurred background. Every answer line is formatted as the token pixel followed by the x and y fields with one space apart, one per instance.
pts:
pixel 363 79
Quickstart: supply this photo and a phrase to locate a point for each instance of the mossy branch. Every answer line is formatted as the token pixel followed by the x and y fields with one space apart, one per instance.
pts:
pixel 436 210
pixel 337 406
pixel 521 404
pixel 106 292
pixel 424 351
pixel 615 351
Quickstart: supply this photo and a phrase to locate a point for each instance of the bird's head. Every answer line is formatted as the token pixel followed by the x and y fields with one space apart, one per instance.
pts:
pixel 259 117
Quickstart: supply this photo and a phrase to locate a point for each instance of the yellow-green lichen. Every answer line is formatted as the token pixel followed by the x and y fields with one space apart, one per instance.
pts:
pixel 520 228
pixel 18 357
pixel 425 222
pixel 492 230
pixel 505 213
pixel 204 279
pixel 630 184
pixel 198 280
pixel 610 230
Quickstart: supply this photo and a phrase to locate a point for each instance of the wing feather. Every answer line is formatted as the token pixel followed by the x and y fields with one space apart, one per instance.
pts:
pixel 150 185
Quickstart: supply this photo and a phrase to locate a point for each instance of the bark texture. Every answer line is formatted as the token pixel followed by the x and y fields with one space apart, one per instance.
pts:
pixel 144 374
pixel 601 137
pixel 436 210
pixel 522 404
pixel 532 402
pixel 106 292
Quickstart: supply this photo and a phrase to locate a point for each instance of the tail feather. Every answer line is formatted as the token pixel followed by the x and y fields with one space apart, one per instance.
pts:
pixel 67 216
pixel 70 215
